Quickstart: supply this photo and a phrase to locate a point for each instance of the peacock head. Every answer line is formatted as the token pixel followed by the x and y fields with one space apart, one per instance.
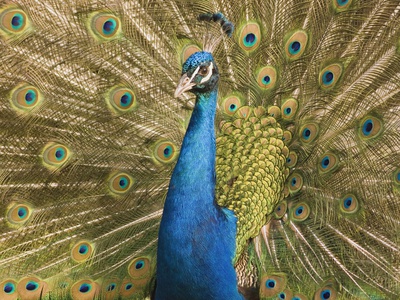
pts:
pixel 199 74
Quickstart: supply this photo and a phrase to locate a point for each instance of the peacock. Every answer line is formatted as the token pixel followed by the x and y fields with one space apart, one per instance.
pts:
pixel 203 149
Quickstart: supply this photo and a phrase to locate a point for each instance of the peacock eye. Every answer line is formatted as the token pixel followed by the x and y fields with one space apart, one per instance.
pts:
pixel 203 70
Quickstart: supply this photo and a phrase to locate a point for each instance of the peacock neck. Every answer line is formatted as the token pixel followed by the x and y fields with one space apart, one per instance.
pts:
pixel 194 173
pixel 196 242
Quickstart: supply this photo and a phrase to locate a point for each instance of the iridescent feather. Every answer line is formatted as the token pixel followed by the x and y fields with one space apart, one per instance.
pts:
pixel 307 131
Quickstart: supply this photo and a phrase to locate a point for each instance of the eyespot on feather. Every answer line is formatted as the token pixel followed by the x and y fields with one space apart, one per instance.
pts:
pixel 289 109
pixel 165 152
pixel 280 210
pixel 140 267
pixel 121 100
pixel 104 26
pixel 325 293
pixel 127 288
pixel 18 214
pixel 295 182
pixel 328 163
pixel 25 98
pixel 272 285
pixel 370 127
pixel 120 183
pixel 32 288
pixel 8 290
pixel 267 77
pixel 296 44
pixel 131 286
pixel 291 159
pixel 249 37
pixel 187 51
pixel 55 156
pixel 341 5
pixel 287 137
pixel 231 104
pixel 110 289
pixel 300 212
pixel 308 132
pixel 349 204
pixel 285 295
pixel 85 289
pixel 274 111
pixel 81 251
pixel 330 75
pixel 13 21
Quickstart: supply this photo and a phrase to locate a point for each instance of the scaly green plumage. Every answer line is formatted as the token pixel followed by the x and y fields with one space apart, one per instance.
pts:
pixel 251 171
pixel 90 132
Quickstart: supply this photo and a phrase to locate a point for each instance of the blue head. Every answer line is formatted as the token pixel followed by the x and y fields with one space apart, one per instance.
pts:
pixel 199 74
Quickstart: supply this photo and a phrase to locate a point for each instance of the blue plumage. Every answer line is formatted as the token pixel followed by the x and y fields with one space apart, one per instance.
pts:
pixel 293 193
pixel 196 243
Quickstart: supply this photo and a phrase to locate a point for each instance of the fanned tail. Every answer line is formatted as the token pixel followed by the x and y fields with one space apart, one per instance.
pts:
pixel 90 132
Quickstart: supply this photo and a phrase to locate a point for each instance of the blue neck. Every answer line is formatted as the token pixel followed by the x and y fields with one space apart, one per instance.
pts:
pixel 194 173
pixel 196 243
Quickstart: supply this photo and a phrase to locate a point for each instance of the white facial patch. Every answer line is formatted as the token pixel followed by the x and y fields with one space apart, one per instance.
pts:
pixel 194 73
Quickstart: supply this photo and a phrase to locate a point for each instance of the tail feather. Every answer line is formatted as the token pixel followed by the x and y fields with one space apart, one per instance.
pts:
pixel 90 132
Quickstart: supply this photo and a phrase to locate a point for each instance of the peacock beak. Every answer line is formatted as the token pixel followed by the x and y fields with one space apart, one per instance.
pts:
pixel 185 84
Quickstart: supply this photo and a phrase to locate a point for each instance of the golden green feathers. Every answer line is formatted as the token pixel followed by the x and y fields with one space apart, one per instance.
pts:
pixel 92 132
pixel 250 169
